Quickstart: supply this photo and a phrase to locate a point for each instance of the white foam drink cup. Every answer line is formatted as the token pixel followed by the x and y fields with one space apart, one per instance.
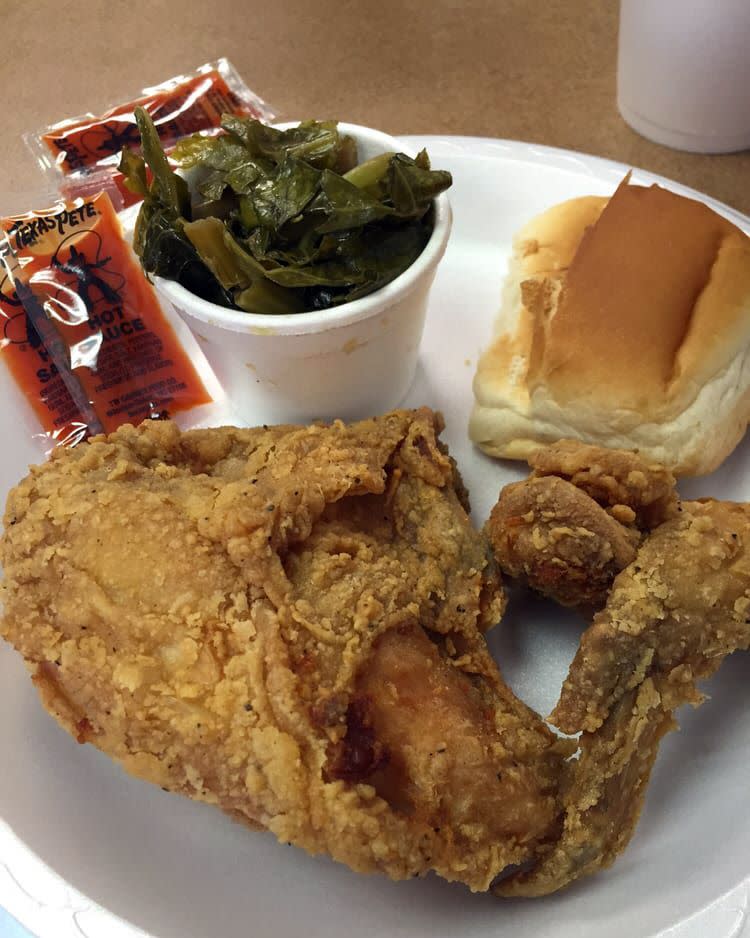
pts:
pixel 683 73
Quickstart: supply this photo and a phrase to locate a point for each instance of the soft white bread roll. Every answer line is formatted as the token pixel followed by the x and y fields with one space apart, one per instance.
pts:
pixel 625 322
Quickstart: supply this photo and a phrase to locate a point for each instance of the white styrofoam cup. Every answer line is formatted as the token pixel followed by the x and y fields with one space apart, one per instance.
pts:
pixel 683 72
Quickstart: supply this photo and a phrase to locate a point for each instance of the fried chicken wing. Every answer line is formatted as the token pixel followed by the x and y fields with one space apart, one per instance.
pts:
pixel 570 528
pixel 672 617
pixel 286 623
pixel 674 614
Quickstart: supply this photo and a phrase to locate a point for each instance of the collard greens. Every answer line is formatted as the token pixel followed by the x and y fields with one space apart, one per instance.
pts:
pixel 278 221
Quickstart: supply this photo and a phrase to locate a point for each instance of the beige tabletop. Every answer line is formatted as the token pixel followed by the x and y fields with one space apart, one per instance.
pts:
pixel 535 70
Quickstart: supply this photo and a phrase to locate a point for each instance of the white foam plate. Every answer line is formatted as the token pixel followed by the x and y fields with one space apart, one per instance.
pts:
pixel 87 851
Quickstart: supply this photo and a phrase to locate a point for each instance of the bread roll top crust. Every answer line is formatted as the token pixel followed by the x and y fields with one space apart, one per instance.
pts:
pixel 654 297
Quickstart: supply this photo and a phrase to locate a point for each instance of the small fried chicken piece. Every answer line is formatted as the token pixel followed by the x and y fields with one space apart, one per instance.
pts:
pixel 572 526
pixel 561 542
pixel 246 616
pixel 672 617
pixel 613 478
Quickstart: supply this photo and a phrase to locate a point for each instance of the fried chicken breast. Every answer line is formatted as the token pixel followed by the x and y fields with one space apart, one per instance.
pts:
pixel 286 622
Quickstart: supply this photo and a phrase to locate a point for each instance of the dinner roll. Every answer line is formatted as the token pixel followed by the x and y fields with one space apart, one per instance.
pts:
pixel 625 322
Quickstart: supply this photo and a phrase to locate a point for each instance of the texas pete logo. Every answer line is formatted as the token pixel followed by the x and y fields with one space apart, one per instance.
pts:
pixel 29 232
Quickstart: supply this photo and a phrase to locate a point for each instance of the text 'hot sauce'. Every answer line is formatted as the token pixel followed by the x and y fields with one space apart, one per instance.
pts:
pixel 81 329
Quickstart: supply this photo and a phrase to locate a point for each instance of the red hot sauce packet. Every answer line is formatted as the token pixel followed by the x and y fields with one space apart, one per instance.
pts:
pixel 81 329
pixel 86 149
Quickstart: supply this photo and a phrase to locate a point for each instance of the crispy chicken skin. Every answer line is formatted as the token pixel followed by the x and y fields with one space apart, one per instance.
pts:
pixel 551 535
pixel 674 614
pixel 672 617
pixel 613 478
pixel 286 623
pixel 570 528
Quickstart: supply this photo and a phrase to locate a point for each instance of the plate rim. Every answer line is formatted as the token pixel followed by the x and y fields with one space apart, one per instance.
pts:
pixel 573 160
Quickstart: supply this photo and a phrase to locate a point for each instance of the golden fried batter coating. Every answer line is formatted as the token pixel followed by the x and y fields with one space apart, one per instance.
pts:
pixel 674 613
pixel 613 478
pixel 576 522
pixel 672 617
pixel 286 623
pixel 561 542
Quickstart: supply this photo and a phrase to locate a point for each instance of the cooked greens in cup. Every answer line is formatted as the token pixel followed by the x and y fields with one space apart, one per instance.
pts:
pixel 278 221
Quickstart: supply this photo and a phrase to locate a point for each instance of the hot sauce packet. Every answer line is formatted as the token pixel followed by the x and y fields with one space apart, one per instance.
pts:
pixel 81 330
pixel 82 153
